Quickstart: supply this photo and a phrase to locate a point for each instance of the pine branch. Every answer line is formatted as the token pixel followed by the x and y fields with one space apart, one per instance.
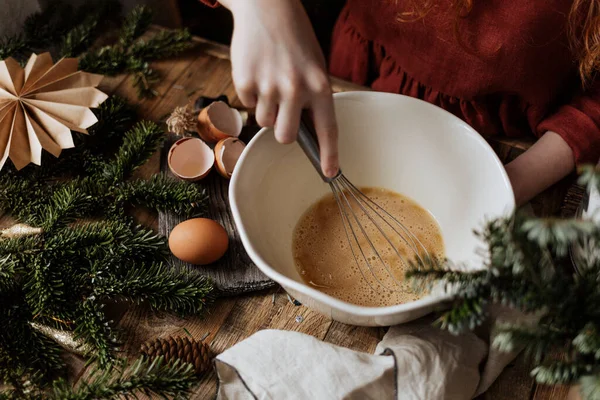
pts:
pixel 135 24
pixel 466 314
pixel 92 327
pixel 115 117
pixel 164 44
pixel 43 28
pixel 588 341
pixel 164 194
pixel 57 277
pixel 538 341
pixel 144 78
pixel 560 372
pixel 108 60
pixel 25 354
pixel 113 239
pixel 67 204
pixel 79 38
pixel 589 177
pixel 11 46
pixel 95 17
pixel 134 57
pixel 138 146
pixel 557 234
pixel 427 272
pixel 9 271
pixel 163 288
pixel 143 377
pixel 590 387
pixel 45 290
pixel 19 196
pixel 19 247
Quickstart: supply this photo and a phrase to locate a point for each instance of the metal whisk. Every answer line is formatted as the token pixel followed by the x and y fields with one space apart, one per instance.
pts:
pixel 365 222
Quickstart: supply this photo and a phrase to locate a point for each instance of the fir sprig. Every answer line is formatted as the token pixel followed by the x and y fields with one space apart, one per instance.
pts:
pixel 67 203
pixel 135 24
pixel 25 354
pixel 154 377
pixel 529 268
pixel 91 326
pixel 164 44
pixel 10 45
pixel 63 275
pixel 73 30
pixel 590 386
pixel 162 193
pixel 163 288
pixel 138 145
pixel 129 55
pixel 79 38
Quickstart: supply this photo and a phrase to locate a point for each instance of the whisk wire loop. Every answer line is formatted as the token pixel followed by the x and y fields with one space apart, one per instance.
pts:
pixel 353 204
pixel 346 223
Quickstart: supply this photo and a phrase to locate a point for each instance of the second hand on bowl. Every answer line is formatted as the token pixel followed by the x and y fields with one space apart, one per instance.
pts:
pixel 368 227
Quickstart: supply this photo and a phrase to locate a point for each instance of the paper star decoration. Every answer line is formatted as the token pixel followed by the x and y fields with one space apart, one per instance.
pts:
pixel 40 105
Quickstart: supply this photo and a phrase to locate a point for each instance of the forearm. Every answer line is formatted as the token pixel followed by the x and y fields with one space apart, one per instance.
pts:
pixel 549 160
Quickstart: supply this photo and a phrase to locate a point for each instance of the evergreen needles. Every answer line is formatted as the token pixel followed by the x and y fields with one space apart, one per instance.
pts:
pixel 529 267
pixel 143 377
pixel 89 252
pixel 70 32
pixel 129 55
pixel 61 25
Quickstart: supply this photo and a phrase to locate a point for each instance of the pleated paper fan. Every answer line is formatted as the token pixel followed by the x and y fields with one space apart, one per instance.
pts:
pixel 40 105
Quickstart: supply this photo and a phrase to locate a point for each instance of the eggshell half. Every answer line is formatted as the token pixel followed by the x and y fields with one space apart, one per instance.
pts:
pixel 227 153
pixel 198 241
pixel 219 121
pixel 190 159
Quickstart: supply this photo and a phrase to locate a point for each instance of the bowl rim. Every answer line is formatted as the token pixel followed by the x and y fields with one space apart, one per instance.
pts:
pixel 362 311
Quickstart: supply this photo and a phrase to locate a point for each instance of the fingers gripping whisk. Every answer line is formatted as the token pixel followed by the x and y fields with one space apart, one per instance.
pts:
pixel 382 246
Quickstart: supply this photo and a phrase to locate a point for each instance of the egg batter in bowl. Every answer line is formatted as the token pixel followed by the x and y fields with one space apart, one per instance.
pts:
pixel 324 256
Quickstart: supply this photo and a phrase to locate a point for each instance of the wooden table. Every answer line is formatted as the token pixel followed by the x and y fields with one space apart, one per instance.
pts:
pixel 205 70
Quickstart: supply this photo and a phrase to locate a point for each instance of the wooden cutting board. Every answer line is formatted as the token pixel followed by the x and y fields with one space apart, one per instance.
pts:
pixel 235 273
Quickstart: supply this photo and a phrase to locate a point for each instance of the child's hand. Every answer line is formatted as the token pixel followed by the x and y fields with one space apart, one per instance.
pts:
pixel 278 67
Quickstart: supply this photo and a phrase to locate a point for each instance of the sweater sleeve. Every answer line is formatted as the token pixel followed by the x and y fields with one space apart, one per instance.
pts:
pixel 578 123
pixel 210 3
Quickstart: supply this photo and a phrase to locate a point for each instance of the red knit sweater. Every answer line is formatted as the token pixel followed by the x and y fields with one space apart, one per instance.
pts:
pixel 513 74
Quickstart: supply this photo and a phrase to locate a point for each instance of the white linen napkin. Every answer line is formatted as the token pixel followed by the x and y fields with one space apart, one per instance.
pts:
pixel 413 361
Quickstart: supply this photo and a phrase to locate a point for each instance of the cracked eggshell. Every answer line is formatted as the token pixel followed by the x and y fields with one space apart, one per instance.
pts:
pixel 190 159
pixel 227 153
pixel 219 121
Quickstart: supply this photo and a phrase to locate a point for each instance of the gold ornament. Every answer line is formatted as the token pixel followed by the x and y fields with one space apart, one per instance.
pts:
pixel 66 339
pixel 19 230
pixel 182 121
pixel 40 105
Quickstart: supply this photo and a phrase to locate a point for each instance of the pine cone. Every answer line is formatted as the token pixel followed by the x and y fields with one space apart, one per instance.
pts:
pixel 191 351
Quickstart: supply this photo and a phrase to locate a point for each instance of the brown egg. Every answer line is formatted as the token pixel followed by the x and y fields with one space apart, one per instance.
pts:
pixel 227 153
pixel 219 121
pixel 198 241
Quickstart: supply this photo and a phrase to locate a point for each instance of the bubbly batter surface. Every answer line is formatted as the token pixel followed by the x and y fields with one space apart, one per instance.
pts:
pixel 324 255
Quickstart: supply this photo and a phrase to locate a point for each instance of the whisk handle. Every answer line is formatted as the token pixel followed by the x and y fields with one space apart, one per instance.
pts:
pixel 307 139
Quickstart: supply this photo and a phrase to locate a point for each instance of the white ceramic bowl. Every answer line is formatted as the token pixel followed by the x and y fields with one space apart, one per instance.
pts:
pixel 386 140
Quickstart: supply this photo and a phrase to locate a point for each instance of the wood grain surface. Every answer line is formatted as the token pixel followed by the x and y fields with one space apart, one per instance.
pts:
pixel 205 70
